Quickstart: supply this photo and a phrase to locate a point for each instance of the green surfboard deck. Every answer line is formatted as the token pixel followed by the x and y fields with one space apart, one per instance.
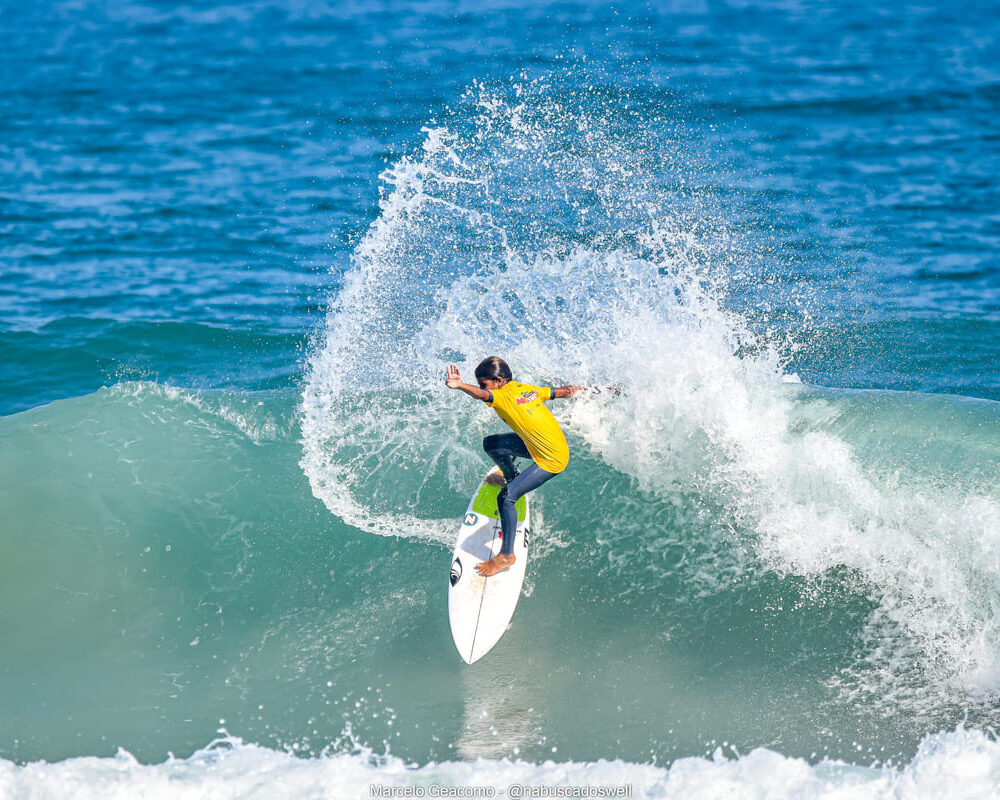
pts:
pixel 486 503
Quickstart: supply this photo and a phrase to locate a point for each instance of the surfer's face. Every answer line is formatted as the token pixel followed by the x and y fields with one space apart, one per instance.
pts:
pixel 489 384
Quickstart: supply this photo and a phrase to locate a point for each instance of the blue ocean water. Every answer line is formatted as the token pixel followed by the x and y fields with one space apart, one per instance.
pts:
pixel 238 246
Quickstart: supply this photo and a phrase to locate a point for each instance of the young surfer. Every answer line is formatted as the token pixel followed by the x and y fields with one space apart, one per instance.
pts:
pixel 536 435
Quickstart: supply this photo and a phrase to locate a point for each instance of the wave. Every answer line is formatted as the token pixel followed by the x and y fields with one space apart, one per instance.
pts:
pixel 482 246
pixel 715 497
pixel 956 764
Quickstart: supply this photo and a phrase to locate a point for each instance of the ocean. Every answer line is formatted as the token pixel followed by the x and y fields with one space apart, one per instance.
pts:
pixel 239 245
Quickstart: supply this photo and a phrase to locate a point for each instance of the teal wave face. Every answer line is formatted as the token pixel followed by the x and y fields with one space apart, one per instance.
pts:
pixel 146 553
pixel 168 542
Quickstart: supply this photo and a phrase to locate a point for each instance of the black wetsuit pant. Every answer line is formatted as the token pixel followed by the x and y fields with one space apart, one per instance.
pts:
pixel 503 448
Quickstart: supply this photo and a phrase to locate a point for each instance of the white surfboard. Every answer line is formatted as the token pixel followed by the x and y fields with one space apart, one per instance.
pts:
pixel 480 609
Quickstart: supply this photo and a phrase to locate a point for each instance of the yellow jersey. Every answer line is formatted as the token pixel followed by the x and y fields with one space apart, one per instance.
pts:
pixel 520 406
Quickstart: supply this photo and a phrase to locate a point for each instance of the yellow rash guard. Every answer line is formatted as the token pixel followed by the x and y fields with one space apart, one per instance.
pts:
pixel 520 406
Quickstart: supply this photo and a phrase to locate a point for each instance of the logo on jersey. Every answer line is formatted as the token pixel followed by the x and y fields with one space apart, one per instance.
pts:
pixel 527 397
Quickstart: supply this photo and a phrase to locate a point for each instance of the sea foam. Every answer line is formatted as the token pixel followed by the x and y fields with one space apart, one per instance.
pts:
pixel 956 764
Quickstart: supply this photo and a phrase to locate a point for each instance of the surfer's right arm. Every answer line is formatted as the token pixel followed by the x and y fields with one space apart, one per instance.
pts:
pixel 454 381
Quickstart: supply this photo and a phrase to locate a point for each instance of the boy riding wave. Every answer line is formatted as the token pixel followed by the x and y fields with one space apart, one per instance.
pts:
pixel 537 436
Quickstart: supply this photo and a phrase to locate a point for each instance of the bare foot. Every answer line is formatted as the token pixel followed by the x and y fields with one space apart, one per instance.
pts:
pixel 494 565
pixel 495 479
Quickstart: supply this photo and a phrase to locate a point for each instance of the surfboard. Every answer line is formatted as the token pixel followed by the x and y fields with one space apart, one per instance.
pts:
pixel 480 609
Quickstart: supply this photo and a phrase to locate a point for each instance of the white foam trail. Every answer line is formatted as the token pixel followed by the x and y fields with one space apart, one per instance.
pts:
pixel 438 279
pixel 958 764
pixel 927 549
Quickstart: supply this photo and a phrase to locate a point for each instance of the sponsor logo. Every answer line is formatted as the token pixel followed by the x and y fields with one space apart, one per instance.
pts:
pixel 471 519
pixel 456 572
pixel 525 538
pixel 527 397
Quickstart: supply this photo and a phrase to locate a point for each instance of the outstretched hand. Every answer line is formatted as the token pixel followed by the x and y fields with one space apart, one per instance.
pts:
pixel 454 378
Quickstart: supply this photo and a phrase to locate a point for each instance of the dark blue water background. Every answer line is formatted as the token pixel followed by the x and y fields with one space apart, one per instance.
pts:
pixel 181 185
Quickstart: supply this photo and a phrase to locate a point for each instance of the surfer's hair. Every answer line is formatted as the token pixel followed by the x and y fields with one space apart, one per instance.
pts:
pixel 494 367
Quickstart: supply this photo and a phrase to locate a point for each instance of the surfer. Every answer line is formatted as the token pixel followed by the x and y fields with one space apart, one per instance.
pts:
pixel 537 436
